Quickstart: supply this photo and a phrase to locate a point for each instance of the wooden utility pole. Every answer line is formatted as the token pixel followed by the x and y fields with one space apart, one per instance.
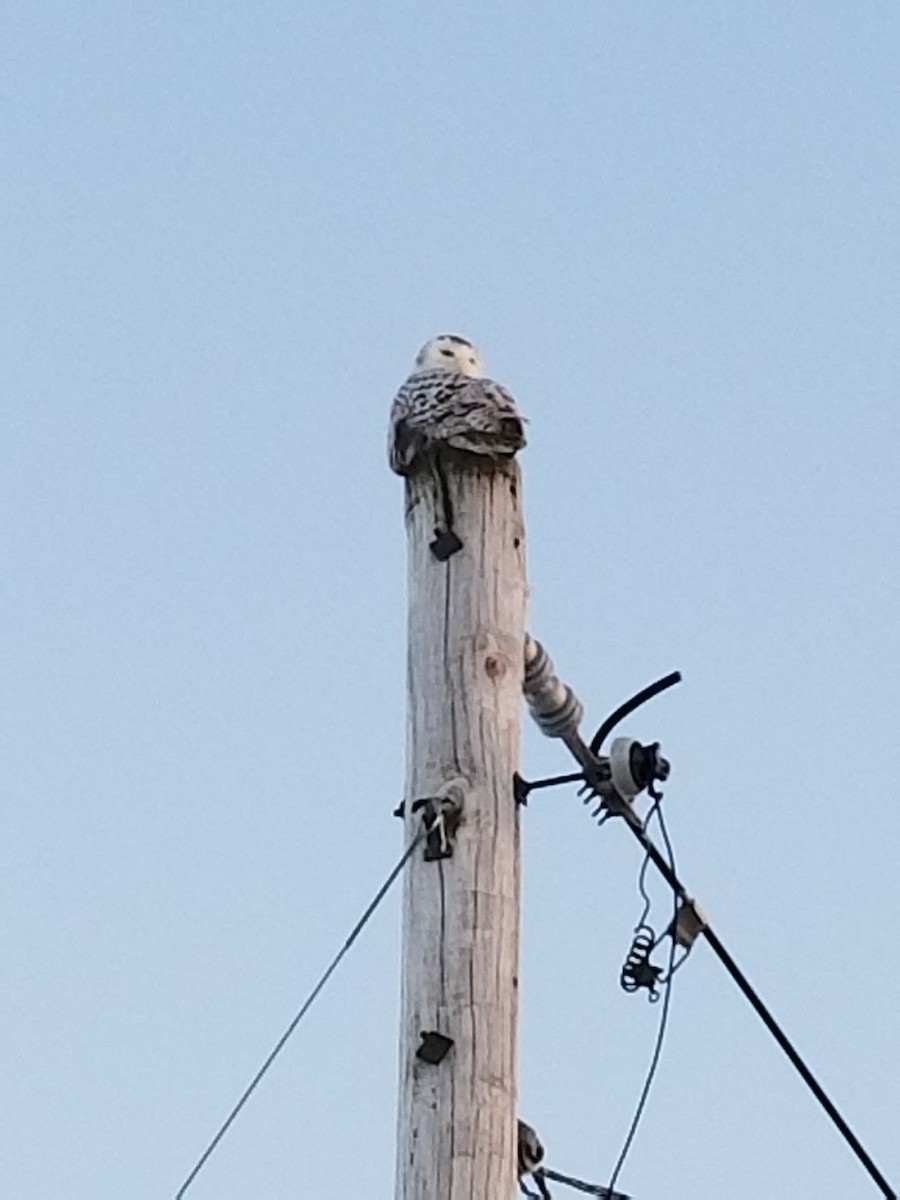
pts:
pixel 459 1008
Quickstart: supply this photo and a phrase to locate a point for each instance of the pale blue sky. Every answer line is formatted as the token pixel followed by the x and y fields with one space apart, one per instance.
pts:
pixel 673 231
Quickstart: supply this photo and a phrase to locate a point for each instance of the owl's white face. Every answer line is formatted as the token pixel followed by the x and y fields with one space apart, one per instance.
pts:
pixel 450 353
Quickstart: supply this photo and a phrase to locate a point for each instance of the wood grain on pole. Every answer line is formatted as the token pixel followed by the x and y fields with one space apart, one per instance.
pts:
pixel 457 1119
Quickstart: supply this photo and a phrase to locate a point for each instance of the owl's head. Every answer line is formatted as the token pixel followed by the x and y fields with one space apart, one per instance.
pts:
pixel 447 352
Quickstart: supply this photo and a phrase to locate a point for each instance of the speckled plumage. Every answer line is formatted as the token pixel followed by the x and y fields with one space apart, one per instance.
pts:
pixel 445 406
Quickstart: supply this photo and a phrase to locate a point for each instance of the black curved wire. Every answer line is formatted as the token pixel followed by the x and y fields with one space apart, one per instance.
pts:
pixel 642 874
pixel 629 706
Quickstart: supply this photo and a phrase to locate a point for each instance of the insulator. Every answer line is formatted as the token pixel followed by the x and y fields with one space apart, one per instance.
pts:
pixel 537 661
pixel 552 703
pixel 625 767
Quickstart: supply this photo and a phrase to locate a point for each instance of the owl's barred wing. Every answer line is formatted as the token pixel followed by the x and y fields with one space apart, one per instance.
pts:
pixel 414 412
pixel 484 420
pixel 444 408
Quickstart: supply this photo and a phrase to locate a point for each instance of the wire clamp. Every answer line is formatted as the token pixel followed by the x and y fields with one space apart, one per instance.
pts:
pixel 441 816
pixel 688 924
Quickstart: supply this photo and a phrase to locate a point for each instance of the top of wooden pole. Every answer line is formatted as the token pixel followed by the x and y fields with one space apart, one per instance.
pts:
pixel 457 1115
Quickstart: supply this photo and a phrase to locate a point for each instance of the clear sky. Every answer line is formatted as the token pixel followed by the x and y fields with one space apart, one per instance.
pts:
pixel 227 228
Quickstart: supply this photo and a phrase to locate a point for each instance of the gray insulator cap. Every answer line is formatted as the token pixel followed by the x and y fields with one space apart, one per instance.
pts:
pixel 552 703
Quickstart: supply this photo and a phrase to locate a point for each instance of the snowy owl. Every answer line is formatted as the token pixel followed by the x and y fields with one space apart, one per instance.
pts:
pixel 447 403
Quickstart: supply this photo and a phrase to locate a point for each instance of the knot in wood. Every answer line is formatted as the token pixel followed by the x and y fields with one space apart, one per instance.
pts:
pixel 495 666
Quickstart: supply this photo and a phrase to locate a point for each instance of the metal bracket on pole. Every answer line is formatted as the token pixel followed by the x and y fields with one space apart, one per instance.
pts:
pixel 441 816
pixel 446 543
pixel 434 1048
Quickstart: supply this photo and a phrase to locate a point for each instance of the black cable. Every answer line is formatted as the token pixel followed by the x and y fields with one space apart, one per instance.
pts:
pixel 581 1185
pixel 642 874
pixel 629 706
pixel 664 1011
pixel 809 1079
pixel 307 1004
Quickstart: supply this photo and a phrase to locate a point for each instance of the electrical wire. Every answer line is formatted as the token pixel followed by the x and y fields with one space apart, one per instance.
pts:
pixel 642 874
pixel 750 994
pixel 581 1185
pixel 307 1004
pixel 656 811
pixel 667 870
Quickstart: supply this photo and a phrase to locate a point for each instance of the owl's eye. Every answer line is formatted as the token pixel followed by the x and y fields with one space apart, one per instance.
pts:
pixel 471 362
pixel 447 353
